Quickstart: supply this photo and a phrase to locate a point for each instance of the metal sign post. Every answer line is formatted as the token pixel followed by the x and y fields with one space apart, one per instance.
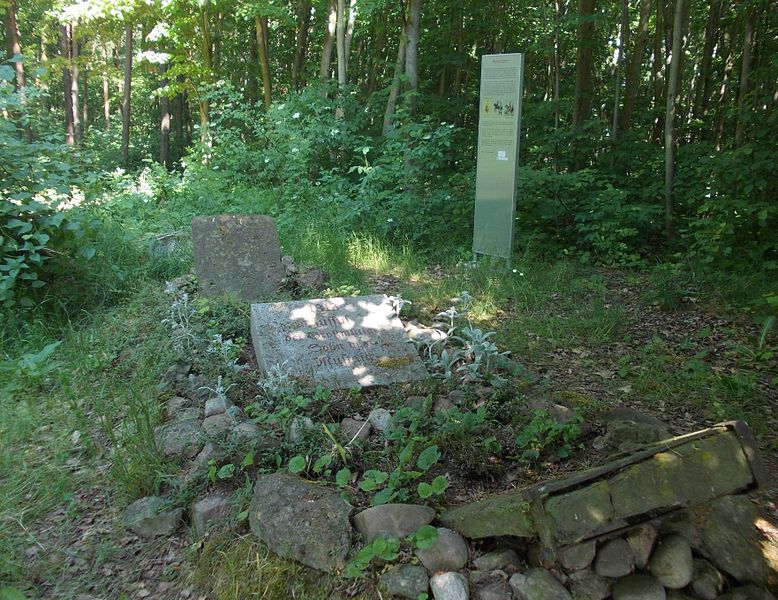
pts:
pixel 498 154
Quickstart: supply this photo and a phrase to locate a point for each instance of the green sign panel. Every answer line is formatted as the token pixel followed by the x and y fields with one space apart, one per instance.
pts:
pixel 498 153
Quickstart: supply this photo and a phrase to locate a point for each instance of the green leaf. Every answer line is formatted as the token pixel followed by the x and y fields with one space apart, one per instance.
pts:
pixel 368 485
pixel 385 496
pixel 297 464
pixel 425 490
pixel 440 484
pixel 428 458
pixel 9 593
pixel 342 477
pixel 425 537
pixel 242 516
pixel 321 462
pixel 87 252
pixel 248 460
pixel 226 472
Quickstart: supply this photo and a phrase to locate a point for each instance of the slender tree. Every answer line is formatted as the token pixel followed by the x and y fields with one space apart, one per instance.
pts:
pixel 412 53
pixel 15 54
pixel 65 49
pixel 126 94
pixel 672 100
pixel 260 28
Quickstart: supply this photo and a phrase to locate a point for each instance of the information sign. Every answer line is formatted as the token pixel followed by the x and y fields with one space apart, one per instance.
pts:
pixel 498 153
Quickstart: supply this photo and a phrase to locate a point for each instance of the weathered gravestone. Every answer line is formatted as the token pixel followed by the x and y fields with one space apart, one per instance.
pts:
pixel 335 342
pixel 238 254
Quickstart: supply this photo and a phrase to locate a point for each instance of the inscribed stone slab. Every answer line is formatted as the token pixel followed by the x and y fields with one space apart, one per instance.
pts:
pixel 335 342
pixel 240 254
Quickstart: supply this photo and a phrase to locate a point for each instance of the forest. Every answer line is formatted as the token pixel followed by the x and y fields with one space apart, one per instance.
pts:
pixel 646 234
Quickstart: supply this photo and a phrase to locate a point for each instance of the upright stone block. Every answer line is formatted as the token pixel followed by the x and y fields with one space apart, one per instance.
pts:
pixel 335 342
pixel 238 254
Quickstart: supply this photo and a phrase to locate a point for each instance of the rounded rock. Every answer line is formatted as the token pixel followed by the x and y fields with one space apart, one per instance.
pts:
pixel 497 590
pixel 638 587
pixel 449 586
pixel 672 563
pixel 448 553
pixel 394 520
pixel 538 584
pixel 614 559
pixel 217 425
pixel 405 581
pixel 497 559
pixel 380 419
pixel 707 582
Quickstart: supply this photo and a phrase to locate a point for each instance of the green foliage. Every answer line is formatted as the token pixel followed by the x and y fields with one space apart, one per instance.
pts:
pixel 543 433
pixel 392 486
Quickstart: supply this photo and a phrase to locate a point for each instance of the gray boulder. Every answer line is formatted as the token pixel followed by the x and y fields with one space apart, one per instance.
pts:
pixel 730 540
pixel 579 556
pixel 641 540
pixel 449 586
pixel 210 511
pixel 587 585
pixel 300 520
pixel 179 439
pixel 638 587
pixel 448 553
pixel 497 559
pixel 380 419
pixel 217 425
pixel 353 429
pixel 672 563
pixel 538 584
pixel 707 582
pixel 614 559
pixel 497 590
pixel 393 520
pixel 405 581
pixel 149 518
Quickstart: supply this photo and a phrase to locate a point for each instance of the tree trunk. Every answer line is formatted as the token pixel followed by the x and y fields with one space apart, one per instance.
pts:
pixel 217 45
pixel 352 17
pixel 340 42
pixel 106 101
pixel 126 95
pixel 164 122
pixel 74 85
pixel 584 84
pixel 672 97
pixel 412 53
pixel 303 28
pixel 376 58
pixel 85 102
pixel 724 90
pixel 623 39
pixel 329 40
pixel 260 25
pixel 583 71
pixel 15 49
pixel 178 121
pixel 658 68
pixel 633 75
pixel 705 78
pixel 252 83
pixel 394 91
pixel 65 49
pixel 745 73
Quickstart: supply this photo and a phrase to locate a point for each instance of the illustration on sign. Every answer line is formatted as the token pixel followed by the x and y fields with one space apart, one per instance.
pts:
pixel 498 153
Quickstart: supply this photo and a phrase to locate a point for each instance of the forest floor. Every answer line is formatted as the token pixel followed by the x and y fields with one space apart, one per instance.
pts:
pixel 587 338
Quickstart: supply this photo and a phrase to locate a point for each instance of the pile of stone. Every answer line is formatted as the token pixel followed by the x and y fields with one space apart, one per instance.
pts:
pixel 202 426
pixel 708 553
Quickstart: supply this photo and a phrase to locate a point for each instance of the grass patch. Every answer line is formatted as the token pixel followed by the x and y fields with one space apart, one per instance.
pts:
pixel 237 569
